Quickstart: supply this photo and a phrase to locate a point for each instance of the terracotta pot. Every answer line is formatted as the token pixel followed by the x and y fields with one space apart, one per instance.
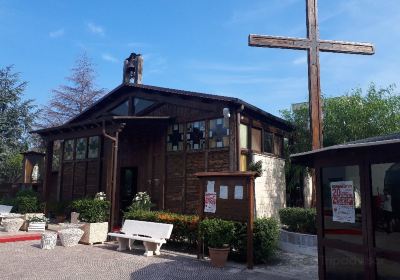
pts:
pixel 218 256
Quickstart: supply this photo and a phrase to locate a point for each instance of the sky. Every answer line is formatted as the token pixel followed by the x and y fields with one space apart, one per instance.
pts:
pixel 199 45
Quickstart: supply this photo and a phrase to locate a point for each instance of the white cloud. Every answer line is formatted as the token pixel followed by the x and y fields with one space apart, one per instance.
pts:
pixel 108 57
pixel 300 60
pixel 57 33
pixel 95 29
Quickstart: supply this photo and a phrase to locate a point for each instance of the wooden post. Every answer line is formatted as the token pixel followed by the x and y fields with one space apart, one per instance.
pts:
pixel 200 243
pixel 250 223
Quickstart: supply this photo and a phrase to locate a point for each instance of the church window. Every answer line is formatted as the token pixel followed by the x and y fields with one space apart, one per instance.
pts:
pixel 55 163
pixel 69 149
pixel 175 137
pixel 268 142
pixel 244 136
pixel 195 135
pixel 94 142
pixel 81 146
pixel 141 104
pixel 219 133
pixel 256 140
pixel 121 110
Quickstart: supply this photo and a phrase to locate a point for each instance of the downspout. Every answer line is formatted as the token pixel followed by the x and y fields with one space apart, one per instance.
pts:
pixel 114 167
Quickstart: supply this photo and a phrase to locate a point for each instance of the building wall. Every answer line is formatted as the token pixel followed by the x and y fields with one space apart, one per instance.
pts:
pixel 270 188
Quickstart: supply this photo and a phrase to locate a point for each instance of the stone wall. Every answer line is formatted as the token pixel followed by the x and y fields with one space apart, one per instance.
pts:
pixel 270 188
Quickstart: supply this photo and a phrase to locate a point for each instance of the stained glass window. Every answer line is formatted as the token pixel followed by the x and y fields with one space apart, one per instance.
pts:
pixel 195 135
pixel 55 164
pixel 256 139
pixel 94 147
pixel 121 110
pixel 244 136
pixel 141 104
pixel 69 149
pixel 268 142
pixel 175 137
pixel 81 146
pixel 219 133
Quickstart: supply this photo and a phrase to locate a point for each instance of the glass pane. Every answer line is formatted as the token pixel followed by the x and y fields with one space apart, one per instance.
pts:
pixel 256 139
pixel 142 104
pixel 386 205
pixel 195 135
pixel 121 110
pixel 219 133
pixel 243 136
pixel 387 270
pixel 94 147
pixel 268 142
pixel 55 164
pixel 243 162
pixel 343 265
pixel 81 145
pixel 175 137
pixel 69 149
pixel 342 203
pixel 278 145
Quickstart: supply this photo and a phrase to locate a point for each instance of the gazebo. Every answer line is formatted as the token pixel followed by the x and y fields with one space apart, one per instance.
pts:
pixel 358 208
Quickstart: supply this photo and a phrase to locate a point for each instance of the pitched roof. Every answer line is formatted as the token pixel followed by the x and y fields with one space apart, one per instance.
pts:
pixel 184 93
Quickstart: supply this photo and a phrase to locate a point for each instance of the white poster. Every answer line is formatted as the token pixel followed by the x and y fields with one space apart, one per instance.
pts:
pixel 210 202
pixel 238 192
pixel 210 186
pixel 223 192
pixel 343 210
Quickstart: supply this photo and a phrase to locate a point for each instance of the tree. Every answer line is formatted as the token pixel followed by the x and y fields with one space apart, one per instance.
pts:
pixel 69 100
pixel 16 120
pixel 346 118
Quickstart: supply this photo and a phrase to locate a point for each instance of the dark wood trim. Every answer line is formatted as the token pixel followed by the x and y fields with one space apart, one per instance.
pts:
pixel 250 223
pixel 320 225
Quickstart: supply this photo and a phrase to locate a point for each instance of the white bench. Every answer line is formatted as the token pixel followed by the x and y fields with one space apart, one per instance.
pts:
pixel 5 210
pixel 152 234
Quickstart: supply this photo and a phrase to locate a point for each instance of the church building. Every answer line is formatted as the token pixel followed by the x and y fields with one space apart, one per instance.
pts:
pixel 146 138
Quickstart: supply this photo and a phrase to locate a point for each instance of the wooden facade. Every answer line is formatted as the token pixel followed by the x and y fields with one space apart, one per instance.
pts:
pixel 155 139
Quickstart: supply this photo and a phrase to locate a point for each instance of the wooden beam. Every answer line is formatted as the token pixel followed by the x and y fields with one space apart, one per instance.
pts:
pixel 346 47
pixel 266 41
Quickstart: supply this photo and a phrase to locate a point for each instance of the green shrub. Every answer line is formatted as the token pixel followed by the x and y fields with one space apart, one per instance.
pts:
pixel 185 226
pixel 26 201
pixel 91 210
pixel 265 240
pixel 217 233
pixel 299 219
pixel 142 202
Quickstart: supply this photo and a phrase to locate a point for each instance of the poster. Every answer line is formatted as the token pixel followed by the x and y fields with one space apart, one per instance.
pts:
pixel 210 202
pixel 223 192
pixel 343 210
pixel 238 192
pixel 210 186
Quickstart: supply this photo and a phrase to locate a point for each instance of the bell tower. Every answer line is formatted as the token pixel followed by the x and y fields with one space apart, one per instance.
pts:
pixel 133 67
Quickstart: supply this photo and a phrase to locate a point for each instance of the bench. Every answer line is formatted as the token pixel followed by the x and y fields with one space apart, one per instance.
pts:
pixel 152 234
pixel 5 210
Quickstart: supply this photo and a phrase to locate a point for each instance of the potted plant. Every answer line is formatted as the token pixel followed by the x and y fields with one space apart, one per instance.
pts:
pixel 37 223
pixel 94 214
pixel 218 235
pixel 27 203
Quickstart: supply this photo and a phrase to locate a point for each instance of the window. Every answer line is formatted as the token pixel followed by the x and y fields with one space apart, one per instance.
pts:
pixel 219 133
pixel 268 144
pixel 93 146
pixel 175 137
pixel 195 135
pixel 244 136
pixel 121 110
pixel 256 140
pixel 243 162
pixel 55 164
pixel 141 104
pixel 278 145
pixel 69 149
pixel 81 146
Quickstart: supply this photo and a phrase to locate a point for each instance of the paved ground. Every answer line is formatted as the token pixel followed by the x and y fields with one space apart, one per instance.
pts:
pixel 25 260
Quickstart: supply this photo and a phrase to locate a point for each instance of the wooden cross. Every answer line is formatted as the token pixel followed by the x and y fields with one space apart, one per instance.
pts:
pixel 313 45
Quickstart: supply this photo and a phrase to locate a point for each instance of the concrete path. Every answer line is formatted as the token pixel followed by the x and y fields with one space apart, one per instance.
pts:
pixel 25 260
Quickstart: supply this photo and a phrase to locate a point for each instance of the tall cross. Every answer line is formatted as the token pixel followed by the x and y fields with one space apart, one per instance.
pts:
pixel 313 45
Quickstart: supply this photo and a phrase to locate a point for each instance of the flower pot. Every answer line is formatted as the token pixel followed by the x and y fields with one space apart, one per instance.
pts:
pixel 70 237
pixel 94 232
pixel 12 224
pixel 28 216
pixel 37 226
pixel 218 256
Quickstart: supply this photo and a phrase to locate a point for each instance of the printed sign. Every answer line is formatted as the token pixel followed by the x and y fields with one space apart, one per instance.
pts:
pixel 238 192
pixel 343 202
pixel 223 192
pixel 210 186
pixel 210 202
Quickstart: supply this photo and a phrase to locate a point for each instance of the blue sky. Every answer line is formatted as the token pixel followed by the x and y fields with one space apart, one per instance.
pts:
pixel 199 45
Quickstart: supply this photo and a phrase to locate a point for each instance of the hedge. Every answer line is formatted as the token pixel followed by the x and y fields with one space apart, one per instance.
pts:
pixel 186 229
pixel 299 219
